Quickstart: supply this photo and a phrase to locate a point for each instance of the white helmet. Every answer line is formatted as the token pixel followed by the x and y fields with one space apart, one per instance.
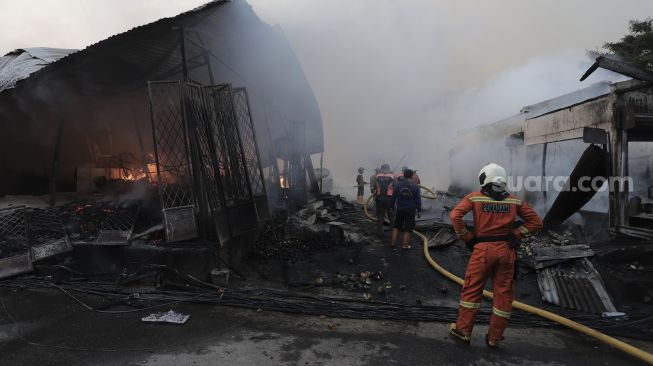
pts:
pixel 493 173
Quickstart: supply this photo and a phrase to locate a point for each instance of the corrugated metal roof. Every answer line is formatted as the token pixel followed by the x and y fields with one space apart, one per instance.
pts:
pixel 41 57
pixel 593 91
pixel 575 285
pixel 20 64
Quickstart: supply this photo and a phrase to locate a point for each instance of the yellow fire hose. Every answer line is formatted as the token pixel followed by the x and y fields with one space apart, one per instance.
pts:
pixel 623 346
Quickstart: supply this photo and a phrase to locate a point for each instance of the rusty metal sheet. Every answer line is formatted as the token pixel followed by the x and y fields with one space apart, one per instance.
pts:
pixel 575 285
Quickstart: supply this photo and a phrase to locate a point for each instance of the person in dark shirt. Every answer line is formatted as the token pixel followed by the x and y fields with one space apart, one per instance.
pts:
pixel 373 180
pixel 384 189
pixel 360 185
pixel 408 203
pixel 415 177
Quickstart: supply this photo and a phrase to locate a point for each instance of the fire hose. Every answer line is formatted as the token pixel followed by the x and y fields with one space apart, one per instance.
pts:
pixel 623 346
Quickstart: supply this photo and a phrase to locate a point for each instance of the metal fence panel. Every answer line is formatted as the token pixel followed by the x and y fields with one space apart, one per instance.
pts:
pixel 251 152
pixel 47 234
pixel 174 170
pixel 226 136
pixel 207 160
pixel 118 223
pixel 15 256
pixel 202 115
pixel 248 138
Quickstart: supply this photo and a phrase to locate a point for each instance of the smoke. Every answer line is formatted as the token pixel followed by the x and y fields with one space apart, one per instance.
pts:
pixel 502 96
pixel 391 78
pixel 405 79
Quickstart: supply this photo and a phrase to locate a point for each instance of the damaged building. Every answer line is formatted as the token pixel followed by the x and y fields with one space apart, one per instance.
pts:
pixel 182 131
pixel 583 160
pixel 602 131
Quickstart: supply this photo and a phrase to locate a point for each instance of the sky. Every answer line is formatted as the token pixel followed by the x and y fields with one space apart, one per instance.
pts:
pixel 391 77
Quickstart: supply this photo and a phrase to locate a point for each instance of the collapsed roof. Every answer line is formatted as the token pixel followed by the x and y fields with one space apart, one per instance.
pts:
pixel 21 63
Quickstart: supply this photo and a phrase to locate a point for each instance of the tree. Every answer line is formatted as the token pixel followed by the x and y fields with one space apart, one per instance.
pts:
pixel 635 48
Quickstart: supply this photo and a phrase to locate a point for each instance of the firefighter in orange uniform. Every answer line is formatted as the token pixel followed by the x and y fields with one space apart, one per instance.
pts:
pixel 493 244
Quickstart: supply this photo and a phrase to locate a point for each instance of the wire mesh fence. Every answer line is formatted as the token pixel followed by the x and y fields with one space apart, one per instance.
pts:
pixel 207 158
pixel 118 223
pixel 15 256
pixel 227 138
pixel 13 232
pixel 46 233
pixel 247 136
pixel 174 169
pixel 173 164
pixel 202 112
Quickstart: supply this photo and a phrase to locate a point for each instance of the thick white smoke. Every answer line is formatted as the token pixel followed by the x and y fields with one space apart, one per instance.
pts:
pixel 539 79
pixel 390 77
pixel 403 77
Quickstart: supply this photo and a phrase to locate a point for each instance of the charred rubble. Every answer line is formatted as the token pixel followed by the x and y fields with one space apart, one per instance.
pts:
pixel 208 195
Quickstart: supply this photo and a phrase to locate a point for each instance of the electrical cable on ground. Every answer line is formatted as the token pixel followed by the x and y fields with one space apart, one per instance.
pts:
pixel 623 346
pixel 67 348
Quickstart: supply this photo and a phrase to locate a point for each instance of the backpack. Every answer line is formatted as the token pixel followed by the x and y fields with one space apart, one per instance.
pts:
pixel 405 192
pixel 384 185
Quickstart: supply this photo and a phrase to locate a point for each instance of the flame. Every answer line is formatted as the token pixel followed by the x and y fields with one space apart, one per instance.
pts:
pixel 134 175
pixel 282 181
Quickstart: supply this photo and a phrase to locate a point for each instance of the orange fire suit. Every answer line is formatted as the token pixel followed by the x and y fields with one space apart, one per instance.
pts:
pixel 492 256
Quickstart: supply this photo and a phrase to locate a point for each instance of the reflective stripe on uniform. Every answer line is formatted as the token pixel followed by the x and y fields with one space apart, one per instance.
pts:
pixel 523 230
pixel 461 232
pixel 513 201
pixel 470 305
pixel 501 313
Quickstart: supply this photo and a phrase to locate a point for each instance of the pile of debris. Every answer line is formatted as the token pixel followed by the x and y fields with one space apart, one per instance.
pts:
pixel 546 239
pixel 34 234
pixel 565 275
pixel 295 238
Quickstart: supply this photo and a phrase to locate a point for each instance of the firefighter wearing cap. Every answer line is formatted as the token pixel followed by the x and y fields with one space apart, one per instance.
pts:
pixel 493 244
pixel 360 185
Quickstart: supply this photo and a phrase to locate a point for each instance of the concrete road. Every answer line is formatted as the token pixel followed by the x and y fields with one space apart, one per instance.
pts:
pixel 46 328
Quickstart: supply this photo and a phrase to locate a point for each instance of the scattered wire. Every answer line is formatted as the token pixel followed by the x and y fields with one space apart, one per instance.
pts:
pixel 67 348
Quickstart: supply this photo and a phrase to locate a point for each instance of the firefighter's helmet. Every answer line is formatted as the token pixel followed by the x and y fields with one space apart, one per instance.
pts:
pixel 493 174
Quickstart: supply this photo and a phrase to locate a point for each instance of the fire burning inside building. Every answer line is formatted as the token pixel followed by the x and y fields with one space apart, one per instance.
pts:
pixel 176 114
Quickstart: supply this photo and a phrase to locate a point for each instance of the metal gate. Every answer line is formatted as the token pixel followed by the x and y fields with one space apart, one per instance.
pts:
pixel 172 154
pixel 250 147
pixel 204 162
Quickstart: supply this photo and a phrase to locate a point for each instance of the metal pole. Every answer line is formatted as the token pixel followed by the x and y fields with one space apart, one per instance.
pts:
pixel 544 170
pixel 321 170
pixel 154 143
pixel 208 65
pixel 182 44
pixel 146 170
pixel 55 162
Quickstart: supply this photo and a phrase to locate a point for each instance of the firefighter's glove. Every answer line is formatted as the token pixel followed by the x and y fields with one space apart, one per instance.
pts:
pixel 514 242
pixel 470 244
